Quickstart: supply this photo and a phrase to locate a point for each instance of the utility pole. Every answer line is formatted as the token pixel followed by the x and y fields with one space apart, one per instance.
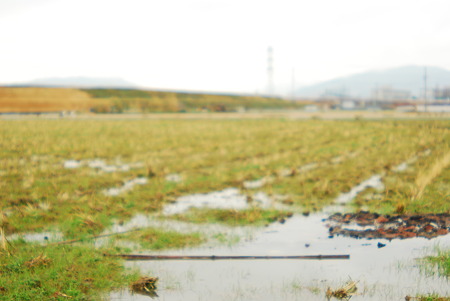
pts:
pixel 293 85
pixel 425 88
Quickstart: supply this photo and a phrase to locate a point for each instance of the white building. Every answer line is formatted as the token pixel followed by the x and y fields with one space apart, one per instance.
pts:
pixel 388 93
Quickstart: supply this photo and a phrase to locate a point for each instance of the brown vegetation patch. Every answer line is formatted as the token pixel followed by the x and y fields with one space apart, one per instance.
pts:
pixel 145 286
pixel 59 295
pixel 342 293
pixel 22 100
pixel 373 225
pixel 40 260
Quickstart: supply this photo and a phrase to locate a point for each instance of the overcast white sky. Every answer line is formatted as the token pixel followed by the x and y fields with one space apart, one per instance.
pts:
pixel 218 45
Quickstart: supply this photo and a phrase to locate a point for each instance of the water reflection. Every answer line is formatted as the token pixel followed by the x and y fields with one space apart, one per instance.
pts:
pixel 389 273
pixel 230 198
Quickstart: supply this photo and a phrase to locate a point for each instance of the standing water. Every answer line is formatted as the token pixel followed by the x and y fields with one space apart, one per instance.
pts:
pixel 388 273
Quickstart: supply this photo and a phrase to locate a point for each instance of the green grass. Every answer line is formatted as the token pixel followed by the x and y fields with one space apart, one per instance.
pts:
pixel 439 264
pixel 442 262
pixel 432 297
pixel 154 239
pixel 254 216
pixel 81 272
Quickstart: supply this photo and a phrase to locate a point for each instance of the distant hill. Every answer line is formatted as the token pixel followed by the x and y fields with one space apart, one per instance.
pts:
pixel 79 82
pixel 409 78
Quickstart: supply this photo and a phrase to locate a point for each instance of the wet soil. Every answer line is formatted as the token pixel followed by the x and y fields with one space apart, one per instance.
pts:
pixel 373 225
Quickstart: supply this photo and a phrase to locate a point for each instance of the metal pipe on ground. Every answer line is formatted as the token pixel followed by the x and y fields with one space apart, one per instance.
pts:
pixel 214 257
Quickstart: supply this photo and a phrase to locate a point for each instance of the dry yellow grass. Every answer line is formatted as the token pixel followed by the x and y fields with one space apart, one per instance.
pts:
pixel 425 178
pixel 4 243
pixel 43 100
pixel 344 293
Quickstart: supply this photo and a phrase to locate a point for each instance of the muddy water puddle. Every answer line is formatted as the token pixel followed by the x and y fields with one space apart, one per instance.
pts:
pixel 373 182
pixel 42 237
pixel 388 273
pixel 229 198
pixel 226 233
pixel 101 165
pixel 405 165
pixel 127 186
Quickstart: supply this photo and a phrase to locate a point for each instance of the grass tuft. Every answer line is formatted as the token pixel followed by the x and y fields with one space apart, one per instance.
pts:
pixel 145 286
pixel 427 176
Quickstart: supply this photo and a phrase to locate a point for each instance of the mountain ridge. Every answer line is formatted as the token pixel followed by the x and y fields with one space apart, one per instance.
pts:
pixel 408 78
pixel 79 82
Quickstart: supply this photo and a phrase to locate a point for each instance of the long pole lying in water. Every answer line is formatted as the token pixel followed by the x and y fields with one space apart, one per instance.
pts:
pixel 213 257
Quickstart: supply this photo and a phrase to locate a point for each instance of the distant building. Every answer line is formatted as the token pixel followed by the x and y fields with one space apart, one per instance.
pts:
pixel 405 108
pixel 434 108
pixel 442 94
pixel 335 94
pixel 348 104
pixel 311 108
pixel 388 93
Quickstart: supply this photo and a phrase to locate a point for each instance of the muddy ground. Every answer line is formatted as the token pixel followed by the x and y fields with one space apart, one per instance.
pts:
pixel 401 226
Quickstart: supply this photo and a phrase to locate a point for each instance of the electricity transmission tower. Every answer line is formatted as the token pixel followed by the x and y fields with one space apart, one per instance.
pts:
pixel 270 84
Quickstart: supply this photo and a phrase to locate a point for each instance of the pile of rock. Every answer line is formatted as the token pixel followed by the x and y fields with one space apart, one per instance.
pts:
pixel 373 225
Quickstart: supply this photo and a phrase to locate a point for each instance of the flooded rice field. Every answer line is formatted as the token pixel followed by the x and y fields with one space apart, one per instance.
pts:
pixel 384 269
pixel 388 273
